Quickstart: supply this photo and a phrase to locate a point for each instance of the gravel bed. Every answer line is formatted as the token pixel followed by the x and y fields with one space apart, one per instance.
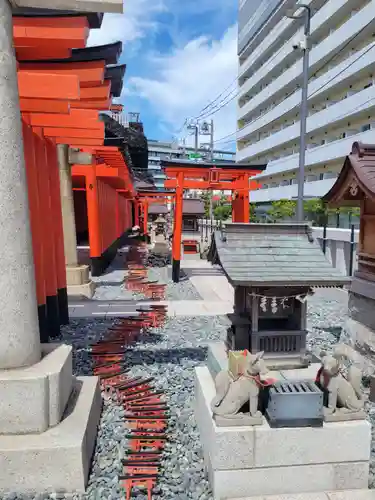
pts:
pixel 170 355
pixel 111 287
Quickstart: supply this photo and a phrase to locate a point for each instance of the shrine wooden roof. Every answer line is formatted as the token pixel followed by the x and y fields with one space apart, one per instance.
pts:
pixel 116 75
pixel 215 164
pixel 109 53
pixel 192 207
pixel 356 179
pixel 269 255
pixel 157 208
pixel 94 18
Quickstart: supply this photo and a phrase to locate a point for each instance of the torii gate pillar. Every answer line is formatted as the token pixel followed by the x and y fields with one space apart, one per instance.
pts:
pixel 19 329
pixel 177 229
pixel 36 380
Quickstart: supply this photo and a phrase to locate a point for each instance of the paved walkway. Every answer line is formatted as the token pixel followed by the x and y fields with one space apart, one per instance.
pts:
pixel 209 281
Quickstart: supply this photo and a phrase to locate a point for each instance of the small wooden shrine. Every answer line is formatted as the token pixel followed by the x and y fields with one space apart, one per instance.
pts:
pixel 273 268
pixel 355 186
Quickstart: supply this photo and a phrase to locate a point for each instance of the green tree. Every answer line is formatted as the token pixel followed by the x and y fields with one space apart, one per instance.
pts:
pixel 205 196
pixel 315 211
pixel 222 212
pixel 281 210
pixel 253 215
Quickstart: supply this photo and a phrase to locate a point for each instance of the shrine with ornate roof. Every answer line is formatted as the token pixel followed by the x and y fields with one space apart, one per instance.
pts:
pixel 355 186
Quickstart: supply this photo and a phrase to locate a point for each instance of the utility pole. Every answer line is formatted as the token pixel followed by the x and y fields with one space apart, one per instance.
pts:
pixel 212 140
pixel 196 138
pixel 304 46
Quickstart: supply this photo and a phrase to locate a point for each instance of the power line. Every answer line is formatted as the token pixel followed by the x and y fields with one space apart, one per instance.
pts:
pixel 202 111
pixel 214 100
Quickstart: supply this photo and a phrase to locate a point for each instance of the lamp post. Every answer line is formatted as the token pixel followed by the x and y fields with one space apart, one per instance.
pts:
pixel 304 46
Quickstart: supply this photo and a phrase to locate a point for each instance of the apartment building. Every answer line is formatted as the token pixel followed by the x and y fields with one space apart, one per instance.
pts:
pixel 158 150
pixel 341 94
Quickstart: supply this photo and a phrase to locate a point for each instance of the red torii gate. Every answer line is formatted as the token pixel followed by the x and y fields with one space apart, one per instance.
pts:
pixel 183 174
pixel 143 201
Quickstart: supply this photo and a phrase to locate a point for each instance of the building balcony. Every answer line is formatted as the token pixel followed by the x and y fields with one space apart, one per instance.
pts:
pixel 332 152
pixel 326 120
pixel 315 189
pixel 327 15
pixel 337 78
pixel 286 82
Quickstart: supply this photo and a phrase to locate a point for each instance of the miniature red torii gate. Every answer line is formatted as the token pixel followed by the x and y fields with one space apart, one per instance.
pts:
pixel 221 176
pixel 143 201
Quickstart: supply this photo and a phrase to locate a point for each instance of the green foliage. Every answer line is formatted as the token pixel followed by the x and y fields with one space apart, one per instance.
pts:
pixel 314 209
pixel 282 209
pixel 223 212
pixel 253 216
pixel 205 196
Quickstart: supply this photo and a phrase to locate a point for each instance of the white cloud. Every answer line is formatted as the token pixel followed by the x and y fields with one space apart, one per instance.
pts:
pixel 137 21
pixel 187 79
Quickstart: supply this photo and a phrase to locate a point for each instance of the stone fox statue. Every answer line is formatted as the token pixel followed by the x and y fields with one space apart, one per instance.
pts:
pixel 344 391
pixel 232 394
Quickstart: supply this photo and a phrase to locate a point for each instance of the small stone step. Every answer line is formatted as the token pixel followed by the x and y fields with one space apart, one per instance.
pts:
pixel 332 495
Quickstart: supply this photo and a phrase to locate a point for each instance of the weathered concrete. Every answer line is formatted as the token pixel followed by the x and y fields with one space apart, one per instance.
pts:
pixel 79 157
pixel 78 5
pixel 77 277
pixel 248 461
pixel 67 207
pixel 58 459
pixel 44 389
pixel 19 330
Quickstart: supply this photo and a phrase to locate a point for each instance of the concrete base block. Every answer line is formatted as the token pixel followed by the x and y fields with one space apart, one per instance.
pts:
pixel 58 459
pixel 77 275
pixel 257 460
pixel 342 416
pixel 33 399
pixel 245 419
pixel 84 290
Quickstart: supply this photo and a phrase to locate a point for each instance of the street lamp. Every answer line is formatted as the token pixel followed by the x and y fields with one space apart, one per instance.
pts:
pixel 304 46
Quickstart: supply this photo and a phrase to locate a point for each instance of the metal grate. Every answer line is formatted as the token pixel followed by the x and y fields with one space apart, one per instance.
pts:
pixel 295 404
pixel 294 387
pixel 281 343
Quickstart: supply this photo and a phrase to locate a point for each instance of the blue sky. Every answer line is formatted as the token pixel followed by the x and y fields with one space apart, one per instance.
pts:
pixel 179 56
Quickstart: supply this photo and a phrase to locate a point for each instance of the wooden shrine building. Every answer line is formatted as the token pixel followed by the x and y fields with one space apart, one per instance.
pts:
pixel 225 176
pixel 273 268
pixel 355 186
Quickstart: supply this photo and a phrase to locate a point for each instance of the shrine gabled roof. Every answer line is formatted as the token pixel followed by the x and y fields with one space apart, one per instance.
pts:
pixel 218 164
pixel 269 255
pixel 192 207
pixel 94 18
pixel 156 208
pixel 357 177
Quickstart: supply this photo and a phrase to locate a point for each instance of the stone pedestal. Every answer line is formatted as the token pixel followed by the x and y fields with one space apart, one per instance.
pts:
pixel 77 277
pixel 359 329
pixel 255 461
pixel 79 282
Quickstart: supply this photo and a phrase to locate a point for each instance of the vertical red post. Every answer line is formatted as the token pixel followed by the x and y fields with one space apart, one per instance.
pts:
pixel 245 199
pixel 35 223
pixel 58 232
pixel 136 212
pixel 145 217
pixel 49 263
pixel 93 216
pixel 177 229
